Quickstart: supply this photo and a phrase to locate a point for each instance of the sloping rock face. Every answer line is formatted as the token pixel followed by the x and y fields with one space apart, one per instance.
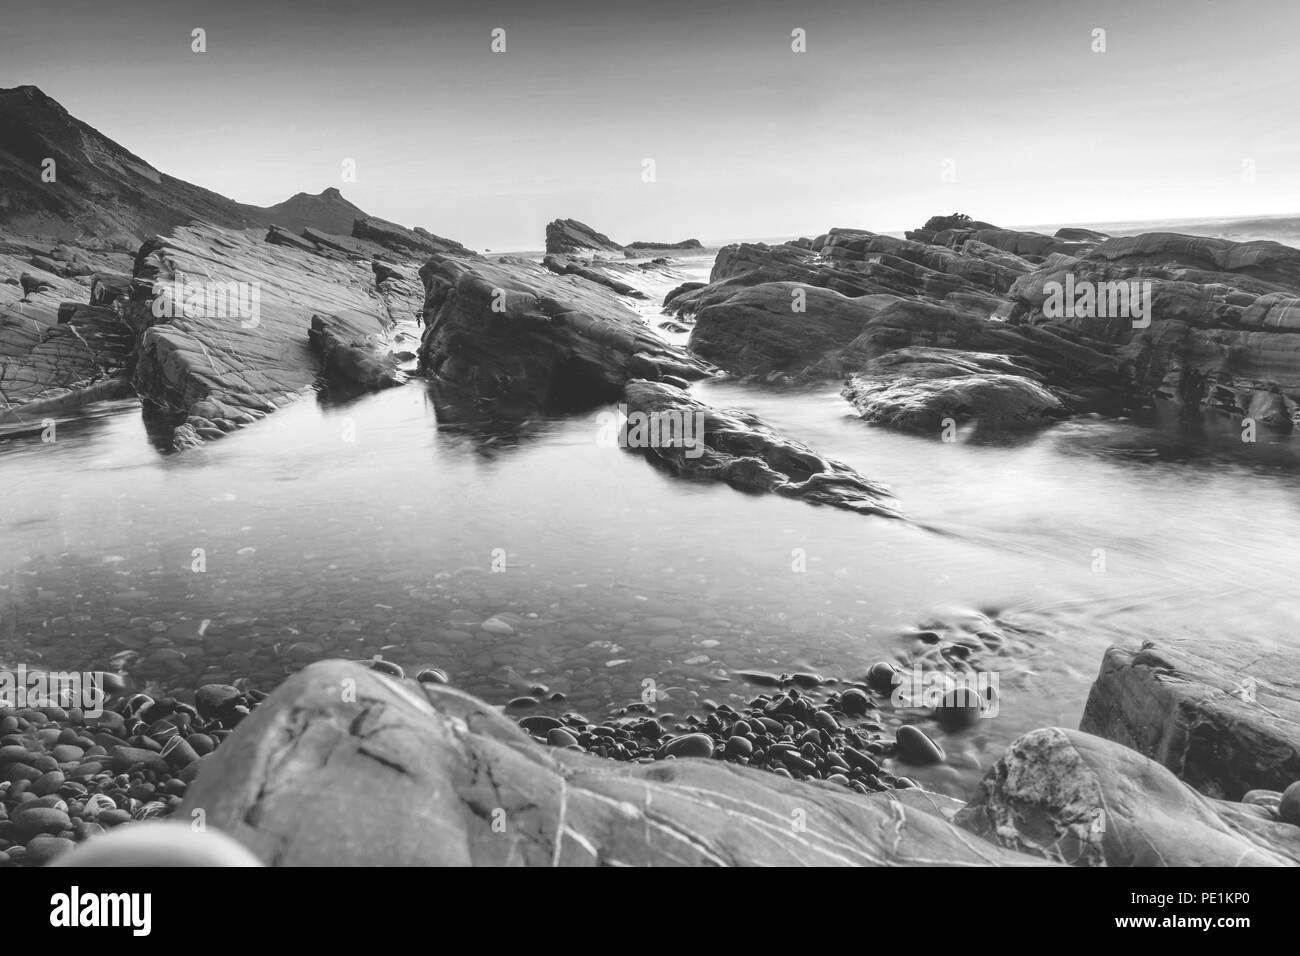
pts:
pixel 241 350
pixel 343 766
pixel 512 331
pixel 1223 325
pixel 1222 716
pixel 408 242
pixel 56 350
pixel 592 272
pixel 1075 798
pixel 743 451
pixel 570 237
pixel 919 389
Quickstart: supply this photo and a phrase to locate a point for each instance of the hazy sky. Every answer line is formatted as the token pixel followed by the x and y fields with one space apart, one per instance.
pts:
pixel 748 137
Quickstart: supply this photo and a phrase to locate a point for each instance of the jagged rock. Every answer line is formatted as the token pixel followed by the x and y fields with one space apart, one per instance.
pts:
pixel 236 358
pixel 55 352
pixel 107 289
pixel 283 237
pixel 1220 330
pixel 406 241
pixel 745 452
pixel 563 265
pixel 1075 798
pixel 445 779
pixel 511 330
pixel 680 290
pixel 918 389
pixel 1223 716
pixel 570 237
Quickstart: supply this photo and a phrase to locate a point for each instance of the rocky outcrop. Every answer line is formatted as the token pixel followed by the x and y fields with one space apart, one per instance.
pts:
pixel 697 441
pixel 598 274
pixel 406 242
pixel 683 245
pixel 511 331
pixel 56 349
pixel 1074 798
pixel 238 350
pixel 1222 716
pixel 569 237
pixel 1220 328
pixel 924 389
pixel 1218 332
pixel 444 779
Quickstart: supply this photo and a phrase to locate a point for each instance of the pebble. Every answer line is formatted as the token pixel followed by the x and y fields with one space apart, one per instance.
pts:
pixel 960 709
pixel 690 745
pixel 916 747
pixel 881 677
pixel 854 702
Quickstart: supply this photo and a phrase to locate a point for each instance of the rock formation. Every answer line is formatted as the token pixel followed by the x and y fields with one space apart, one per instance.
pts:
pixel 567 237
pixel 447 780
pixel 510 330
pixel 743 451
pixel 1221 715
pixel 240 353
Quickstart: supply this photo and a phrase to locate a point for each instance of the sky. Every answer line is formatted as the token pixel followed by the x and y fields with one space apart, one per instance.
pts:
pixel 895 111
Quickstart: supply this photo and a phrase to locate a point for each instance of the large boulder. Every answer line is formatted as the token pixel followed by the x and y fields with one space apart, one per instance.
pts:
pixel 570 237
pixel 785 327
pixel 344 766
pixel 1223 716
pixel 923 389
pixel 1075 798
pixel 513 331
pixel 743 451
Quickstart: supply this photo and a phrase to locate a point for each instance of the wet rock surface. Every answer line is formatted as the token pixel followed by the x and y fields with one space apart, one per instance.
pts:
pixel 743 451
pixel 1222 716
pixel 1079 799
pixel 448 766
pixel 921 390
pixel 230 362
pixel 511 331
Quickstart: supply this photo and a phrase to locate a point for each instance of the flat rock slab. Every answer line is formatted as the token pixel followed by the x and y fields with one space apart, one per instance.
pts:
pixel 219 369
pixel 343 766
pixel 695 440
pixel 1223 716
pixel 1075 798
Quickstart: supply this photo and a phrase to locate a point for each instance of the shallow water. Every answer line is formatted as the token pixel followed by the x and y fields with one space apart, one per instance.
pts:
pixel 610 573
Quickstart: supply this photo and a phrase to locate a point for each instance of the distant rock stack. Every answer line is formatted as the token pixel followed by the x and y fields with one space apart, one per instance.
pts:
pixel 570 237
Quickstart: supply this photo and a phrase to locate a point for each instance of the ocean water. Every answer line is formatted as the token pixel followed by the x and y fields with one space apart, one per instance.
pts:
pixel 378 527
